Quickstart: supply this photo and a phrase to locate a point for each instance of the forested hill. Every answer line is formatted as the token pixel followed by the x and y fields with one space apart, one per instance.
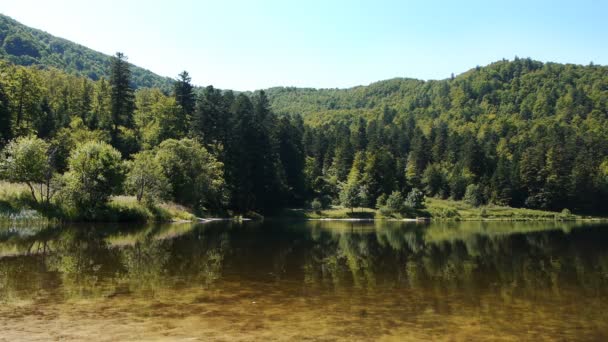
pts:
pixel 521 132
pixel 522 89
pixel 24 45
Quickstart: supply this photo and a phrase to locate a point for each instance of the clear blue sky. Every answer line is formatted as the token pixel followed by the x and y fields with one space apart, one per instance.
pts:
pixel 246 45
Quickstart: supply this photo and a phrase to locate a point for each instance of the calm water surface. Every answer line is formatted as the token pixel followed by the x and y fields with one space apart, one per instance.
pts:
pixel 285 280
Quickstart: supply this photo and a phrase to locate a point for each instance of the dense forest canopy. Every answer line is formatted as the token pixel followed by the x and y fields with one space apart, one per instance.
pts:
pixel 23 45
pixel 526 133
pixel 521 133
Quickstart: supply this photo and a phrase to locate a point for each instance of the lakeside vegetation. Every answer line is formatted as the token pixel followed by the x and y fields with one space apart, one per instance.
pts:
pixel 514 134
pixel 18 207
pixel 440 209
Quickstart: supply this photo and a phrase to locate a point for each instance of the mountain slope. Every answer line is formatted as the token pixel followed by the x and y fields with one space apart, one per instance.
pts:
pixel 522 89
pixel 24 45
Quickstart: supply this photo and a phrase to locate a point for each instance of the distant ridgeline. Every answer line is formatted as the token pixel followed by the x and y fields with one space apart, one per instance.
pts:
pixel 23 45
pixel 520 133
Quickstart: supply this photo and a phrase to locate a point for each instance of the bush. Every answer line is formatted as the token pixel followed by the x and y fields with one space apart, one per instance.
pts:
pixel 483 213
pixel 146 179
pixel 473 195
pixel 415 199
pixel 195 176
pixel 394 202
pixel 95 173
pixel 446 213
pixel 386 211
pixel 381 201
pixel 25 160
pixel 316 205
pixel 350 196
pixel 566 214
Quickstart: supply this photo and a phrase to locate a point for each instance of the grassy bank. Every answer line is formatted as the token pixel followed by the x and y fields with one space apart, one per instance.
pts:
pixel 447 209
pixel 17 206
pixel 438 209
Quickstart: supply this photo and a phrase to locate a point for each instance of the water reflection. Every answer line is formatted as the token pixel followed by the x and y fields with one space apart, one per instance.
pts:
pixel 422 276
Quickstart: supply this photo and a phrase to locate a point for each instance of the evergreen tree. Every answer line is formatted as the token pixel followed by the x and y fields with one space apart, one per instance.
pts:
pixel 291 152
pixel 122 97
pixel 239 162
pixel 183 91
pixel 46 121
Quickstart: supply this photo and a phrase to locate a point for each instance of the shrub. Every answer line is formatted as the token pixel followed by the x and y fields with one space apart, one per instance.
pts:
pixel 415 199
pixel 566 214
pixel 195 176
pixel 95 173
pixel 394 202
pixel 381 201
pixel 350 196
pixel 316 205
pixel 25 160
pixel 146 179
pixel 385 211
pixel 483 213
pixel 473 195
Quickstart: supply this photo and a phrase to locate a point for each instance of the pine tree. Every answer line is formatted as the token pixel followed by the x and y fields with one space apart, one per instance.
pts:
pixel 270 185
pixel 183 91
pixel 46 121
pixel 350 192
pixel 85 102
pixel 502 184
pixel 122 98
pixel 291 153
pixel 238 162
pixel 207 119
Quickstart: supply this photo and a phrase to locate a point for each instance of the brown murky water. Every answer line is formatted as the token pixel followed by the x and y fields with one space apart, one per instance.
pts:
pixel 326 281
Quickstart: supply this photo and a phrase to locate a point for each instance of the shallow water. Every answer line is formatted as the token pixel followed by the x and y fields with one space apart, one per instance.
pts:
pixel 315 280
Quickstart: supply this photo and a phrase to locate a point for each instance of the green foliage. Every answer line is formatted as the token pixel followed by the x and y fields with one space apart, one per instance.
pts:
pixel 415 199
pixel 316 205
pixel 146 179
pixel 473 195
pixel 395 202
pixel 25 160
pixel 435 181
pixel 528 134
pixel 5 118
pixel 95 172
pixel 381 201
pixel 195 175
pixel 122 99
pixel 352 192
pixel 27 46
pixel 350 196
pixel 183 92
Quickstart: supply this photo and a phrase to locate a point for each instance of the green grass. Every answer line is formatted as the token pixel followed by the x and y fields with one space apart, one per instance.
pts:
pixel 331 213
pixel 17 206
pixel 438 209
pixel 458 210
pixel 127 209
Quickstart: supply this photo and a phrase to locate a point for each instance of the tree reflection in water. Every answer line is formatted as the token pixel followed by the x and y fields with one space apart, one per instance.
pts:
pixel 382 268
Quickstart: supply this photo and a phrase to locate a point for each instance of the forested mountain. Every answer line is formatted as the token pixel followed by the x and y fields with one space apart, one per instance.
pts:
pixel 23 45
pixel 520 133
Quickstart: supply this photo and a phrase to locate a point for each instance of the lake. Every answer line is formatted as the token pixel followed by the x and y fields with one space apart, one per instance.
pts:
pixel 306 280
